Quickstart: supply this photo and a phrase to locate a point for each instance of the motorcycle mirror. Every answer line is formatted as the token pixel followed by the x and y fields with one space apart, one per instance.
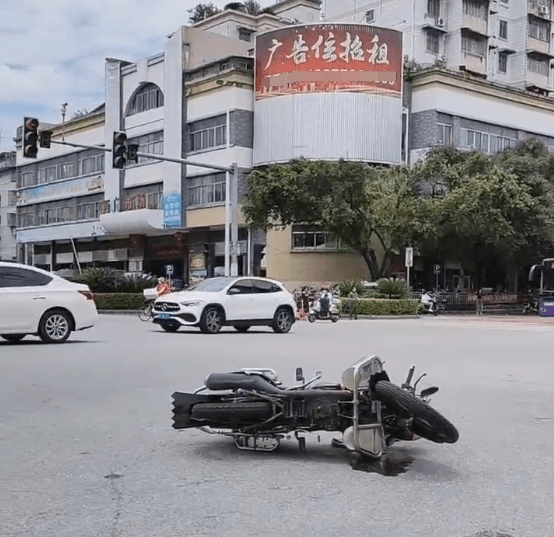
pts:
pixel 429 391
pixel 299 374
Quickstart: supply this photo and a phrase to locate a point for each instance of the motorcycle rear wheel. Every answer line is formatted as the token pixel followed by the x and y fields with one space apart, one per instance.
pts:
pixel 232 413
pixel 427 422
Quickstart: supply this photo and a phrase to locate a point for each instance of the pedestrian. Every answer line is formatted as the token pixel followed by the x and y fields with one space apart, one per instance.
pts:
pixel 479 302
pixel 353 303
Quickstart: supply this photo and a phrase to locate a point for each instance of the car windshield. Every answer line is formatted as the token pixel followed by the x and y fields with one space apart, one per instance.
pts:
pixel 211 285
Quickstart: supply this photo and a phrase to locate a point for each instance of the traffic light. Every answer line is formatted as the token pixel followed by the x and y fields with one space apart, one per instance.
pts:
pixel 30 137
pixel 44 139
pixel 119 150
pixel 132 152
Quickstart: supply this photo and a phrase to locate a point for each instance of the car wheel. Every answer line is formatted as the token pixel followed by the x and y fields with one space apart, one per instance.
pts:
pixel 54 327
pixel 170 327
pixel 211 320
pixel 13 338
pixel 241 328
pixel 282 322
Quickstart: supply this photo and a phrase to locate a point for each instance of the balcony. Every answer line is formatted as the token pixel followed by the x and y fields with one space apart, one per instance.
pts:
pixel 473 63
pixel 153 200
pixel 537 81
pixel 538 46
pixel 475 24
pixel 539 9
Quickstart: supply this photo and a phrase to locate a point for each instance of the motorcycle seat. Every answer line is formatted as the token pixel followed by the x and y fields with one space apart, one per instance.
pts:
pixel 235 381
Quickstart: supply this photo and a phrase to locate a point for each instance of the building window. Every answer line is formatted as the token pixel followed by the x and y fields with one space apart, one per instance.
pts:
pixel 537 66
pixel 475 8
pixel 149 143
pixel 206 189
pixel 503 62
pixel 148 97
pixel 486 142
pixel 503 29
pixel 370 16
pixel 93 164
pixel 65 170
pixel 539 29
pixel 313 238
pixel 433 42
pixel 27 179
pixel 208 134
pixel 48 174
pixel 471 45
pixel 245 34
pixel 445 134
pixel 433 8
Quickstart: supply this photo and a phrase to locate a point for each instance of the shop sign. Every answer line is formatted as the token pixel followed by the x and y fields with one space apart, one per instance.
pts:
pixel 328 57
pixel 198 262
pixel 73 187
pixel 172 210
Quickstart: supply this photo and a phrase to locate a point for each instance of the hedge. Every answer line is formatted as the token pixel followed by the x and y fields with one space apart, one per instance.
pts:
pixel 384 306
pixel 118 301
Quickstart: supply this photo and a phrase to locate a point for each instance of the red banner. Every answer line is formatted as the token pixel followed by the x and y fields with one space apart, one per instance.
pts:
pixel 328 57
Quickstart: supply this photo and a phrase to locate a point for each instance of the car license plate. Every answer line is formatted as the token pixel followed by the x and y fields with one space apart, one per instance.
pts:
pixel 164 316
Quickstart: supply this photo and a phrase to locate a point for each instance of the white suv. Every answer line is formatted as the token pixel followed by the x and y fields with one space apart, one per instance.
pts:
pixel 240 302
pixel 33 301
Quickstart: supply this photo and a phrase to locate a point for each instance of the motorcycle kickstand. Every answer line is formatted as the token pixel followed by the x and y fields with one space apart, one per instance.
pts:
pixel 301 442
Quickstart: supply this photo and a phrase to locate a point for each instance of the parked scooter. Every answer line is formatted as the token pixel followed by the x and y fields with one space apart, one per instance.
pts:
pixel 253 407
pixel 324 308
pixel 532 306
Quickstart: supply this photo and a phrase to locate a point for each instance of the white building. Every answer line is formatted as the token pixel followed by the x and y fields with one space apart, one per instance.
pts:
pixel 7 206
pixel 508 42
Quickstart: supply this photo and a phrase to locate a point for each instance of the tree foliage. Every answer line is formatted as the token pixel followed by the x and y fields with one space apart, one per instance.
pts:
pixel 202 11
pixel 492 214
pixel 368 208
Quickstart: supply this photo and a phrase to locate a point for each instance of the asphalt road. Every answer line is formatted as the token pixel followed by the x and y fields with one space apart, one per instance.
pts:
pixel 87 448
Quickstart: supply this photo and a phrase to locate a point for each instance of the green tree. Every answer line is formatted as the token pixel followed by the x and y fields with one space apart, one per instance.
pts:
pixel 492 214
pixel 202 11
pixel 374 210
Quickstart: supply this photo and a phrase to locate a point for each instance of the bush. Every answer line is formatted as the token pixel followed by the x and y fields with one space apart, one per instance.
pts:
pixel 393 288
pixel 346 287
pixel 135 283
pixel 386 306
pixel 102 279
pixel 118 301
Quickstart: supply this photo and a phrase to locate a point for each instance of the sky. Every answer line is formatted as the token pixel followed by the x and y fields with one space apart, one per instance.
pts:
pixel 53 51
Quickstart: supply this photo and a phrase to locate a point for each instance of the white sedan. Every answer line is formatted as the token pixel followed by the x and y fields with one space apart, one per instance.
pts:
pixel 33 301
pixel 240 302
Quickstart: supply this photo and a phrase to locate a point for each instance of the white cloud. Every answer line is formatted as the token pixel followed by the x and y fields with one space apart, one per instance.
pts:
pixel 54 51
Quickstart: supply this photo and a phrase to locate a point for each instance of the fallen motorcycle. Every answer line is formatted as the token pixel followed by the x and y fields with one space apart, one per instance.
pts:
pixel 253 407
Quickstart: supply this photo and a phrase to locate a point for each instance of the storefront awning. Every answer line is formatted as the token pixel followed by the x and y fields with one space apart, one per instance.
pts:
pixel 141 221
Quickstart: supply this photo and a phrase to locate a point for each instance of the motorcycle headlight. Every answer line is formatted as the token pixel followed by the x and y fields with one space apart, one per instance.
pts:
pixel 192 303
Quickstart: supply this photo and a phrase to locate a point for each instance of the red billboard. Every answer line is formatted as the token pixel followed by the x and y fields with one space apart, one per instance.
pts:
pixel 328 57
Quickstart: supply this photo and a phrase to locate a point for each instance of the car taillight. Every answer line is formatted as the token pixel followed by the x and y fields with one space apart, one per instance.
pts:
pixel 87 294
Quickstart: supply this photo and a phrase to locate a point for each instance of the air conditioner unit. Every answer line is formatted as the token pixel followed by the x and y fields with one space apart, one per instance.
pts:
pixel 543 11
pixel 440 22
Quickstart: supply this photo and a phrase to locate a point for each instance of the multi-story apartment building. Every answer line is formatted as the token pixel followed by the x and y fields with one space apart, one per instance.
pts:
pixel 503 41
pixel 8 178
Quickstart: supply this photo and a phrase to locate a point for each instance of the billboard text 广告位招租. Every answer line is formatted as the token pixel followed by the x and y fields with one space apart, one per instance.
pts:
pixel 328 57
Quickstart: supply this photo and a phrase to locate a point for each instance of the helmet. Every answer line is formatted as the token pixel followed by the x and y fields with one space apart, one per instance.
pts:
pixel 161 280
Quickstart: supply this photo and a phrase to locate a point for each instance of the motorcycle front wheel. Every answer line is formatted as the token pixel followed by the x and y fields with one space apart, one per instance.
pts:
pixel 427 422
pixel 311 318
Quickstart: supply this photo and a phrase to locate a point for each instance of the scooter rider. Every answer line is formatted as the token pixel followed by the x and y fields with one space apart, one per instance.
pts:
pixel 429 300
pixel 325 301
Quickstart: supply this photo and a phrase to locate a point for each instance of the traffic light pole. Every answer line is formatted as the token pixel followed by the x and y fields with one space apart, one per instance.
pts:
pixel 231 200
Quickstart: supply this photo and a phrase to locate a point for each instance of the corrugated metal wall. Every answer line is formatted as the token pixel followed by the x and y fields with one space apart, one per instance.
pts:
pixel 328 126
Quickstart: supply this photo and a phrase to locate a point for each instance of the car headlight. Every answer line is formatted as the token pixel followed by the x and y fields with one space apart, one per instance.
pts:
pixel 192 303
